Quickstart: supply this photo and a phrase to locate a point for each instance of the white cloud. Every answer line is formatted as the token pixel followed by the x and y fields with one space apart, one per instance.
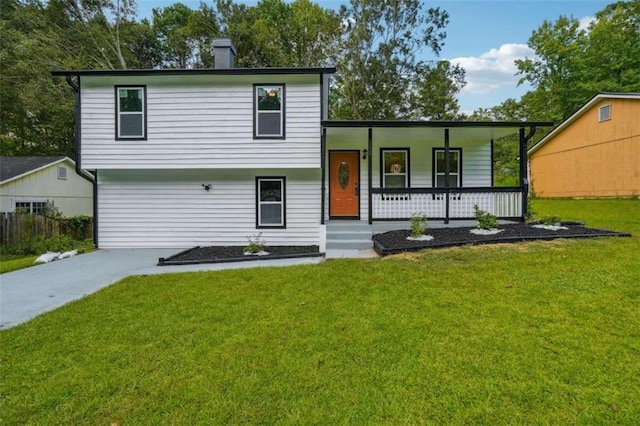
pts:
pixel 492 70
pixel 585 21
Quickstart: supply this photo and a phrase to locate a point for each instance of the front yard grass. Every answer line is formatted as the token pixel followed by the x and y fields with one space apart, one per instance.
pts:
pixel 543 333
pixel 10 263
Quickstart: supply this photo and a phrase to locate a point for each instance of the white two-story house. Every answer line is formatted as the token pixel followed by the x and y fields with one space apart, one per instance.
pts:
pixel 204 157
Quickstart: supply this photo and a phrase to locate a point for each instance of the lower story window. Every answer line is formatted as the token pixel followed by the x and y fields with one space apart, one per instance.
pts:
pixel 270 202
pixel 32 207
pixel 455 168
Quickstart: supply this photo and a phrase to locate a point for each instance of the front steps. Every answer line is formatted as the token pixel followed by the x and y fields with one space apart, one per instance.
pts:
pixel 349 235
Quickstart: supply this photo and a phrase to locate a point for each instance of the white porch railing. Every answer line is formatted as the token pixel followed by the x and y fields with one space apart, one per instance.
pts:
pixel 445 203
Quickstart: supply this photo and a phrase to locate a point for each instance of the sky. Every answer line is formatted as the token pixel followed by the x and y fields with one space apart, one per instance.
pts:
pixel 483 36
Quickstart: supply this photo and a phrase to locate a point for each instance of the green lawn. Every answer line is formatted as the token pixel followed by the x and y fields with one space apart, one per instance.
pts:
pixel 10 263
pixel 542 333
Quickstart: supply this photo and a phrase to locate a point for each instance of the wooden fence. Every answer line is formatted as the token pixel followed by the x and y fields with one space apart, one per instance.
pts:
pixel 18 227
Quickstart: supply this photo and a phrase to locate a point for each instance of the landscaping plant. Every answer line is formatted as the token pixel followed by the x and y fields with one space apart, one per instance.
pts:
pixel 256 244
pixel 418 224
pixel 484 220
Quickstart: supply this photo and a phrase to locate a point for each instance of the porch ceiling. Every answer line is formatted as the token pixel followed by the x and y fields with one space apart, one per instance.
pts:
pixel 432 132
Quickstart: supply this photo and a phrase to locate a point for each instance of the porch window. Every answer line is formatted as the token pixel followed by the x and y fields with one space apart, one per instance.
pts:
pixel 270 202
pixel 269 107
pixel 131 112
pixel 395 168
pixel 455 167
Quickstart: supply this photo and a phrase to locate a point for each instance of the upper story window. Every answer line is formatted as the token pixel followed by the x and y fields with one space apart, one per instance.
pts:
pixel 131 112
pixel 604 113
pixel 395 168
pixel 455 167
pixel 269 110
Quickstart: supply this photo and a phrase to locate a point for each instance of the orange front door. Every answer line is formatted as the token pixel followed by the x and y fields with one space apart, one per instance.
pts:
pixel 344 183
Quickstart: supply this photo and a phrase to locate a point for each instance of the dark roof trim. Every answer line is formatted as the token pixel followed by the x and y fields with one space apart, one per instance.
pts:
pixel 197 71
pixel 437 124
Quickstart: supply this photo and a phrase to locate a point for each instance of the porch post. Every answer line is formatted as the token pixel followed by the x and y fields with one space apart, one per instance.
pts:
pixel 323 149
pixel 369 175
pixel 492 163
pixel 524 185
pixel 446 174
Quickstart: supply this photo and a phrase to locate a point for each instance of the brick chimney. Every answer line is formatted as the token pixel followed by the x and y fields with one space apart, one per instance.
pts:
pixel 224 53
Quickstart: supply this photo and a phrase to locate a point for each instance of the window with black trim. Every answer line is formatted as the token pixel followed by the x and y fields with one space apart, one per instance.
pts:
pixel 269 111
pixel 131 105
pixel 455 167
pixel 395 171
pixel 271 202
pixel 604 113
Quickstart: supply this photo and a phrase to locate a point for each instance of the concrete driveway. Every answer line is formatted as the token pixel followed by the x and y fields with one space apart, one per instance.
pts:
pixel 29 292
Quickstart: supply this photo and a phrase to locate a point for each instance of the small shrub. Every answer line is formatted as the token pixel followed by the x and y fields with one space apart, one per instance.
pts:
pixel 550 220
pixel 256 244
pixel 418 224
pixel 484 220
pixel 531 213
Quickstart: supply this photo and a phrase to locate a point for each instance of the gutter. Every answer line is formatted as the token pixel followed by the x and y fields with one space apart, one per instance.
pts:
pixel 83 173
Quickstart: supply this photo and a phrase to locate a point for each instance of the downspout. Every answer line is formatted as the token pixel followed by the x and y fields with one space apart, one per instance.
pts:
pixel 77 129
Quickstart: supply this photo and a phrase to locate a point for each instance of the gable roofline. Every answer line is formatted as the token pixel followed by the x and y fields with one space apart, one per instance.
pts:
pixel 196 71
pixel 579 113
pixel 51 163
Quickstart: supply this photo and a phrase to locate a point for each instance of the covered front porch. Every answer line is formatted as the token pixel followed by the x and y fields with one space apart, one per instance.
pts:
pixel 391 170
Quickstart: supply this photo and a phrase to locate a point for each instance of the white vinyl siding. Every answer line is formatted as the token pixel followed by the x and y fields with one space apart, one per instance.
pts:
pixel 170 208
pixel 201 126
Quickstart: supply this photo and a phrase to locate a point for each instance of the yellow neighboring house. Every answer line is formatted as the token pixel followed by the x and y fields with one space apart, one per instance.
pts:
pixel 28 183
pixel 593 153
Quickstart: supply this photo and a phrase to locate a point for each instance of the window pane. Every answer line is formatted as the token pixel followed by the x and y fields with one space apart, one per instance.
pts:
pixel 270 190
pixel 269 98
pixel 23 206
pixel 395 162
pixel 269 124
pixel 453 161
pixel 271 214
pixel 394 181
pixel 440 181
pixel 38 207
pixel 131 125
pixel 130 100
pixel 453 180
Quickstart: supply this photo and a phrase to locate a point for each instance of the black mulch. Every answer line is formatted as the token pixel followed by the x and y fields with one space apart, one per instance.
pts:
pixel 219 254
pixel 396 241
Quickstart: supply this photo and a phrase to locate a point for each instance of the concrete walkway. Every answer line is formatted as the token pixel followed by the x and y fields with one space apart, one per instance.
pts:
pixel 29 292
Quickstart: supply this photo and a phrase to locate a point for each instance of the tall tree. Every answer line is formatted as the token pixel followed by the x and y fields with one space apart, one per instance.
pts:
pixel 275 33
pixel 572 64
pixel 378 61
pixel 437 91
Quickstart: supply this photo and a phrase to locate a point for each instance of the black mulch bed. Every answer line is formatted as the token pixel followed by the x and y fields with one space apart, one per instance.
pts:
pixel 219 254
pixel 396 241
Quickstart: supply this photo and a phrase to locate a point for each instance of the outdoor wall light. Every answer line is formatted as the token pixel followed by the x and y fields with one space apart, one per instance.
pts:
pixel 364 154
pixel 206 186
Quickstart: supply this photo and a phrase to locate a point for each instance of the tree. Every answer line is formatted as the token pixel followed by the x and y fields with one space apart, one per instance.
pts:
pixel 437 90
pixel 572 64
pixel 186 35
pixel 378 65
pixel 278 34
